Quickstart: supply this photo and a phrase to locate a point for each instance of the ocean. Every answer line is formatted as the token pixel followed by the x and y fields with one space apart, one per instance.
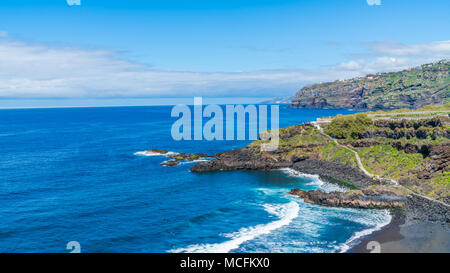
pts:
pixel 76 174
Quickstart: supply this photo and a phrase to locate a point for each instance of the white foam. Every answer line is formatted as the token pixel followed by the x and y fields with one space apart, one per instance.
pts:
pixel 294 173
pixel 384 219
pixel 285 212
pixel 150 153
pixel 194 161
pixel 314 180
pixel 272 191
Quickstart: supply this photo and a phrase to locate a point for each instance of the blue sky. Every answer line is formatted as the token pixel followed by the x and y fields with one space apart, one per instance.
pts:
pixel 131 50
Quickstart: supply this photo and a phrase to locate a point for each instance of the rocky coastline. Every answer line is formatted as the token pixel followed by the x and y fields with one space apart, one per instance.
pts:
pixel 306 149
pixel 376 196
pixel 344 175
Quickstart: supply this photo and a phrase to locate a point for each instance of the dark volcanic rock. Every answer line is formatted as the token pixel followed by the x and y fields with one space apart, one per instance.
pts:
pixel 332 171
pixel 240 159
pixel 437 163
pixel 398 133
pixel 177 158
pixel 170 163
pixel 157 151
pixel 409 148
pixel 245 159
pixel 420 208
pixel 404 123
pixel 361 200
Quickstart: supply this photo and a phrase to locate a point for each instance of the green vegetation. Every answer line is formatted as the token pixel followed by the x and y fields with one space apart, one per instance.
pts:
pixel 351 126
pixel 410 151
pixel 355 192
pixel 343 183
pixel 389 162
pixel 305 140
pixel 437 187
pixel 397 211
pixel 333 153
pixel 411 88
pixel 410 115
pixel 427 108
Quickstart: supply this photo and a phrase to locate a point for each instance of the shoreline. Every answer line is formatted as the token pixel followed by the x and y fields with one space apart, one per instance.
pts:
pixel 423 226
pixel 405 234
pixel 387 233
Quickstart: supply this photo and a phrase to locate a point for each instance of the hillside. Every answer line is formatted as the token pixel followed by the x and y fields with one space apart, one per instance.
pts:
pixel 412 148
pixel 412 88
pixel 407 149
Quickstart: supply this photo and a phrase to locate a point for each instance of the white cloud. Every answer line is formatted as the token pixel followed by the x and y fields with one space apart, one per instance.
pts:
pixel 439 49
pixel 379 64
pixel 387 56
pixel 41 71
pixel 3 33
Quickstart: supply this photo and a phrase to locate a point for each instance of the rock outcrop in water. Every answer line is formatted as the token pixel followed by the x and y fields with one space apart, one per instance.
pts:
pixel 176 158
pixel 365 199
pixel 241 159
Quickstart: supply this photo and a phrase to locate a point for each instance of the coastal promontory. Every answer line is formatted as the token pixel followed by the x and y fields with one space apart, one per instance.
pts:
pixel 411 88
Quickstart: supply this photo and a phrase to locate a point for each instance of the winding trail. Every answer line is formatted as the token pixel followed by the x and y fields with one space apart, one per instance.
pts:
pixel 361 167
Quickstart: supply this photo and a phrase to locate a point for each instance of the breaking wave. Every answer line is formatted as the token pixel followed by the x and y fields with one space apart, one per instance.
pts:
pixel 313 179
pixel 285 212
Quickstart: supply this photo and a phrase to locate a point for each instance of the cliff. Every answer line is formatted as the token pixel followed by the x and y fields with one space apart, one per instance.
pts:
pixel 411 88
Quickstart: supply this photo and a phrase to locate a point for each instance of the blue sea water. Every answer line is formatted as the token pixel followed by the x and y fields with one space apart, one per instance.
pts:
pixel 73 175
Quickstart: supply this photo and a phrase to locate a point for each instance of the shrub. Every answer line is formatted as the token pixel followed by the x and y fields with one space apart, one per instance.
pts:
pixel 352 126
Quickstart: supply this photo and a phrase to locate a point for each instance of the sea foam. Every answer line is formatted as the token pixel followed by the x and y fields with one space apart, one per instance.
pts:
pixel 313 179
pixel 285 212
pixel 149 153
pixel 382 220
pixel 378 222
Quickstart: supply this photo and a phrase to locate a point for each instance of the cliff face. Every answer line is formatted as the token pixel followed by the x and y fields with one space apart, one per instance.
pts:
pixel 411 88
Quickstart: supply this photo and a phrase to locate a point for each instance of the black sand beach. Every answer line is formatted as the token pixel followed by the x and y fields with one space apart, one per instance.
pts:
pixel 404 235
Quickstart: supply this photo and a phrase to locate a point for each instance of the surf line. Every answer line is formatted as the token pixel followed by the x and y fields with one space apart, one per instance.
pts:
pixel 286 213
